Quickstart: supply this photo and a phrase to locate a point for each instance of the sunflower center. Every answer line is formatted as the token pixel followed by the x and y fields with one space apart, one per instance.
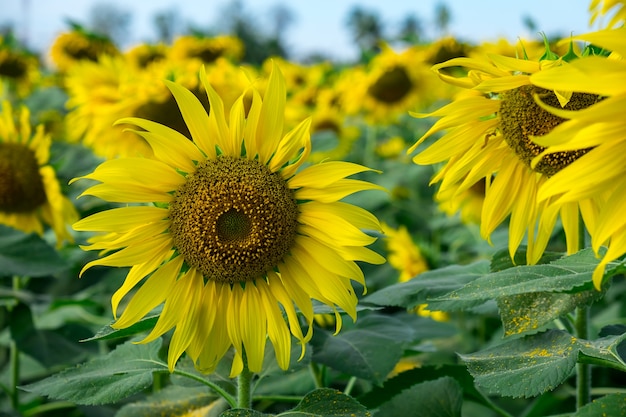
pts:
pixel 13 67
pixel 392 86
pixel 521 117
pixel 21 185
pixel 233 219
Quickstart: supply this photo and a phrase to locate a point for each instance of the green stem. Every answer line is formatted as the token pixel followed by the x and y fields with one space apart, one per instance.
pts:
pixel 244 385
pixel 223 393
pixel 318 378
pixel 15 375
pixel 349 385
pixel 583 370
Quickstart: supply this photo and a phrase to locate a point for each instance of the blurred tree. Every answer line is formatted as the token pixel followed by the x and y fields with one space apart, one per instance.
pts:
pixel 167 25
pixel 443 17
pixel 411 30
pixel 110 20
pixel 367 30
pixel 529 23
pixel 258 45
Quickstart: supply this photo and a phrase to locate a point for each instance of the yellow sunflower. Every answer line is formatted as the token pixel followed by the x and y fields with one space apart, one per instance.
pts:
pixel 391 84
pixel 488 138
pixel 404 255
pixel 225 232
pixel 30 195
pixel 601 172
pixel 207 49
pixel 101 92
pixel 77 45
pixel 144 54
pixel 18 67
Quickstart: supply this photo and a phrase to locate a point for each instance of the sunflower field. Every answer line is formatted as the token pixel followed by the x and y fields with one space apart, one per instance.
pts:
pixel 201 228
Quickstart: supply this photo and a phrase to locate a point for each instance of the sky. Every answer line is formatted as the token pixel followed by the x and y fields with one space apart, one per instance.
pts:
pixel 319 25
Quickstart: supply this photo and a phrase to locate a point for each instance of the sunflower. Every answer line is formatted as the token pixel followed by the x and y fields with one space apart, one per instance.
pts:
pixel 18 67
pixel 404 255
pixel 390 85
pixel 77 45
pixel 225 232
pixel 144 54
pixel 488 138
pixel 30 195
pixel 207 49
pixel 601 172
pixel 101 92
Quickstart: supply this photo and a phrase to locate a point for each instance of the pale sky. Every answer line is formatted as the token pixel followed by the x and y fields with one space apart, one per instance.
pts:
pixel 319 24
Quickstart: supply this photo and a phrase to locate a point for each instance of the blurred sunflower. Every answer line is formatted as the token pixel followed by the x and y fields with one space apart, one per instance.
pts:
pixel 469 203
pixel 77 45
pixel 234 237
pixel 30 195
pixel 144 54
pixel 601 172
pixel 99 93
pixel 207 49
pixel 18 67
pixel 392 84
pixel 488 139
pixel 404 255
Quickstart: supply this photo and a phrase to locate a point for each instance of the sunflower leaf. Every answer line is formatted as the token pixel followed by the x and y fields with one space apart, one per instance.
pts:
pixel 608 351
pixel 567 274
pixel 108 332
pixel 327 402
pixel 362 353
pixel 525 313
pixel 525 367
pixel 609 405
pixel 171 401
pixel 27 255
pixel 107 379
pixel 442 397
pixel 428 285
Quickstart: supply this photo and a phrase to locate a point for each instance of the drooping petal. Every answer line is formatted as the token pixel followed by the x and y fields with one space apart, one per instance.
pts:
pixel 196 118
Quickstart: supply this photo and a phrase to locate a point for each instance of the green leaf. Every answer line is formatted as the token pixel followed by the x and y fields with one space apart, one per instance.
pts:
pixel 428 285
pixel 123 372
pixel 244 412
pixel 361 353
pixel 609 405
pixel 327 402
pixel 108 332
pixel 407 379
pixel 323 402
pixel 525 367
pixel 439 398
pixel 48 347
pixel 561 275
pixel 501 260
pixel 604 351
pixel 171 401
pixel 27 255
pixel 525 313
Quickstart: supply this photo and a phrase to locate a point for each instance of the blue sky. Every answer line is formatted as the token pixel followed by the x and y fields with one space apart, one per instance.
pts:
pixel 319 25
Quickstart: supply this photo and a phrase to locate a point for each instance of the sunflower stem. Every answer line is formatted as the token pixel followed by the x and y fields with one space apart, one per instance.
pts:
pixel 583 370
pixel 244 388
pixel 581 324
pixel 15 375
